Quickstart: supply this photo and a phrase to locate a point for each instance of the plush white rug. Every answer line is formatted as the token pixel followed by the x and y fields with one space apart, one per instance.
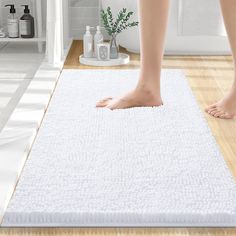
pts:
pixel 137 167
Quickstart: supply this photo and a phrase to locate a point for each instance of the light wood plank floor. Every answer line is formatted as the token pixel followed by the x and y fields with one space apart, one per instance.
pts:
pixel 210 77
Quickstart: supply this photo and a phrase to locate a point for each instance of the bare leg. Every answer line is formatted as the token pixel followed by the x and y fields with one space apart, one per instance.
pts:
pixel 226 108
pixel 153 23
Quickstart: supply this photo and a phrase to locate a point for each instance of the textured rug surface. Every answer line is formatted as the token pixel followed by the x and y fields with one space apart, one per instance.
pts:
pixel 136 167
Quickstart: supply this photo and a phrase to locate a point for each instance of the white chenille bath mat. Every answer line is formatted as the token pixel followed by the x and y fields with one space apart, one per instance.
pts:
pixel 136 167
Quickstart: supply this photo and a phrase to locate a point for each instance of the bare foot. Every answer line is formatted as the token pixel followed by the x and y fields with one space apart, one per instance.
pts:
pixel 137 98
pixel 224 109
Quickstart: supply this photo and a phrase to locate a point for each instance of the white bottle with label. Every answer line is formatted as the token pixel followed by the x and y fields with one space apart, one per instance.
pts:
pixel 12 22
pixel 88 43
pixel 98 38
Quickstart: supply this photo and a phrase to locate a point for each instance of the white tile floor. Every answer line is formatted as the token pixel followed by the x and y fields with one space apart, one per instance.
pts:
pixel 27 83
pixel 18 65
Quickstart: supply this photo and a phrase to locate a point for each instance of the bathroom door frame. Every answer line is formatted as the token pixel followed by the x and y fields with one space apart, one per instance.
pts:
pixel 177 43
pixel 57 31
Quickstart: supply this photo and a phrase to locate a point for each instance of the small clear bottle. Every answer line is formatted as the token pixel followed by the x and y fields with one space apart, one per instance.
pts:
pixel 98 38
pixel 88 43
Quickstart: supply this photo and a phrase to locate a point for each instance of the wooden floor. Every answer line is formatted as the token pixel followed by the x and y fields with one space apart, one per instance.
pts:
pixel 210 78
pixel 118 232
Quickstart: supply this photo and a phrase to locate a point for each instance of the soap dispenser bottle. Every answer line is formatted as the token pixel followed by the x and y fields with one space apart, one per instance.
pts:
pixel 88 43
pixel 98 38
pixel 12 22
pixel 26 24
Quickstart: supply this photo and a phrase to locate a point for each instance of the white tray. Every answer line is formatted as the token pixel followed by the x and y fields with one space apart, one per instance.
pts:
pixel 121 60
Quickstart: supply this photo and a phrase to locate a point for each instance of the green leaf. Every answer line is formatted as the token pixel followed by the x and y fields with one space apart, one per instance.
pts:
pixel 120 24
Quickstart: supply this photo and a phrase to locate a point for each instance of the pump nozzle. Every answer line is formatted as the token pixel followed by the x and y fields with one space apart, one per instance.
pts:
pixel 26 9
pixel 12 10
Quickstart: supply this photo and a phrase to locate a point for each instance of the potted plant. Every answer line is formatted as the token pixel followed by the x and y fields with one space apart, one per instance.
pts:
pixel 115 27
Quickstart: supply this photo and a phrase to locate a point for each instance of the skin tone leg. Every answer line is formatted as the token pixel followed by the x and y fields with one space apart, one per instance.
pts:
pixel 226 108
pixel 147 91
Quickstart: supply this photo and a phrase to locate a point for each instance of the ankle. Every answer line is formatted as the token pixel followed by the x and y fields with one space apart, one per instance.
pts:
pixel 149 82
pixel 149 88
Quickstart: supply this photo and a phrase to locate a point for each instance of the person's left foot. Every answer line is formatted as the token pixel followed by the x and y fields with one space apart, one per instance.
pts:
pixel 224 109
pixel 136 98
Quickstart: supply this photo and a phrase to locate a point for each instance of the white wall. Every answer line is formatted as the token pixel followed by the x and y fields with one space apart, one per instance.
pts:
pixel 83 12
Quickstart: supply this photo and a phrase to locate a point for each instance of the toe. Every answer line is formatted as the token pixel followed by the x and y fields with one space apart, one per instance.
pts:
pixel 116 104
pixel 217 114
pixel 103 103
pixel 213 106
pixel 113 104
pixel 213 111
pixel 106 99
pixel 100 105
